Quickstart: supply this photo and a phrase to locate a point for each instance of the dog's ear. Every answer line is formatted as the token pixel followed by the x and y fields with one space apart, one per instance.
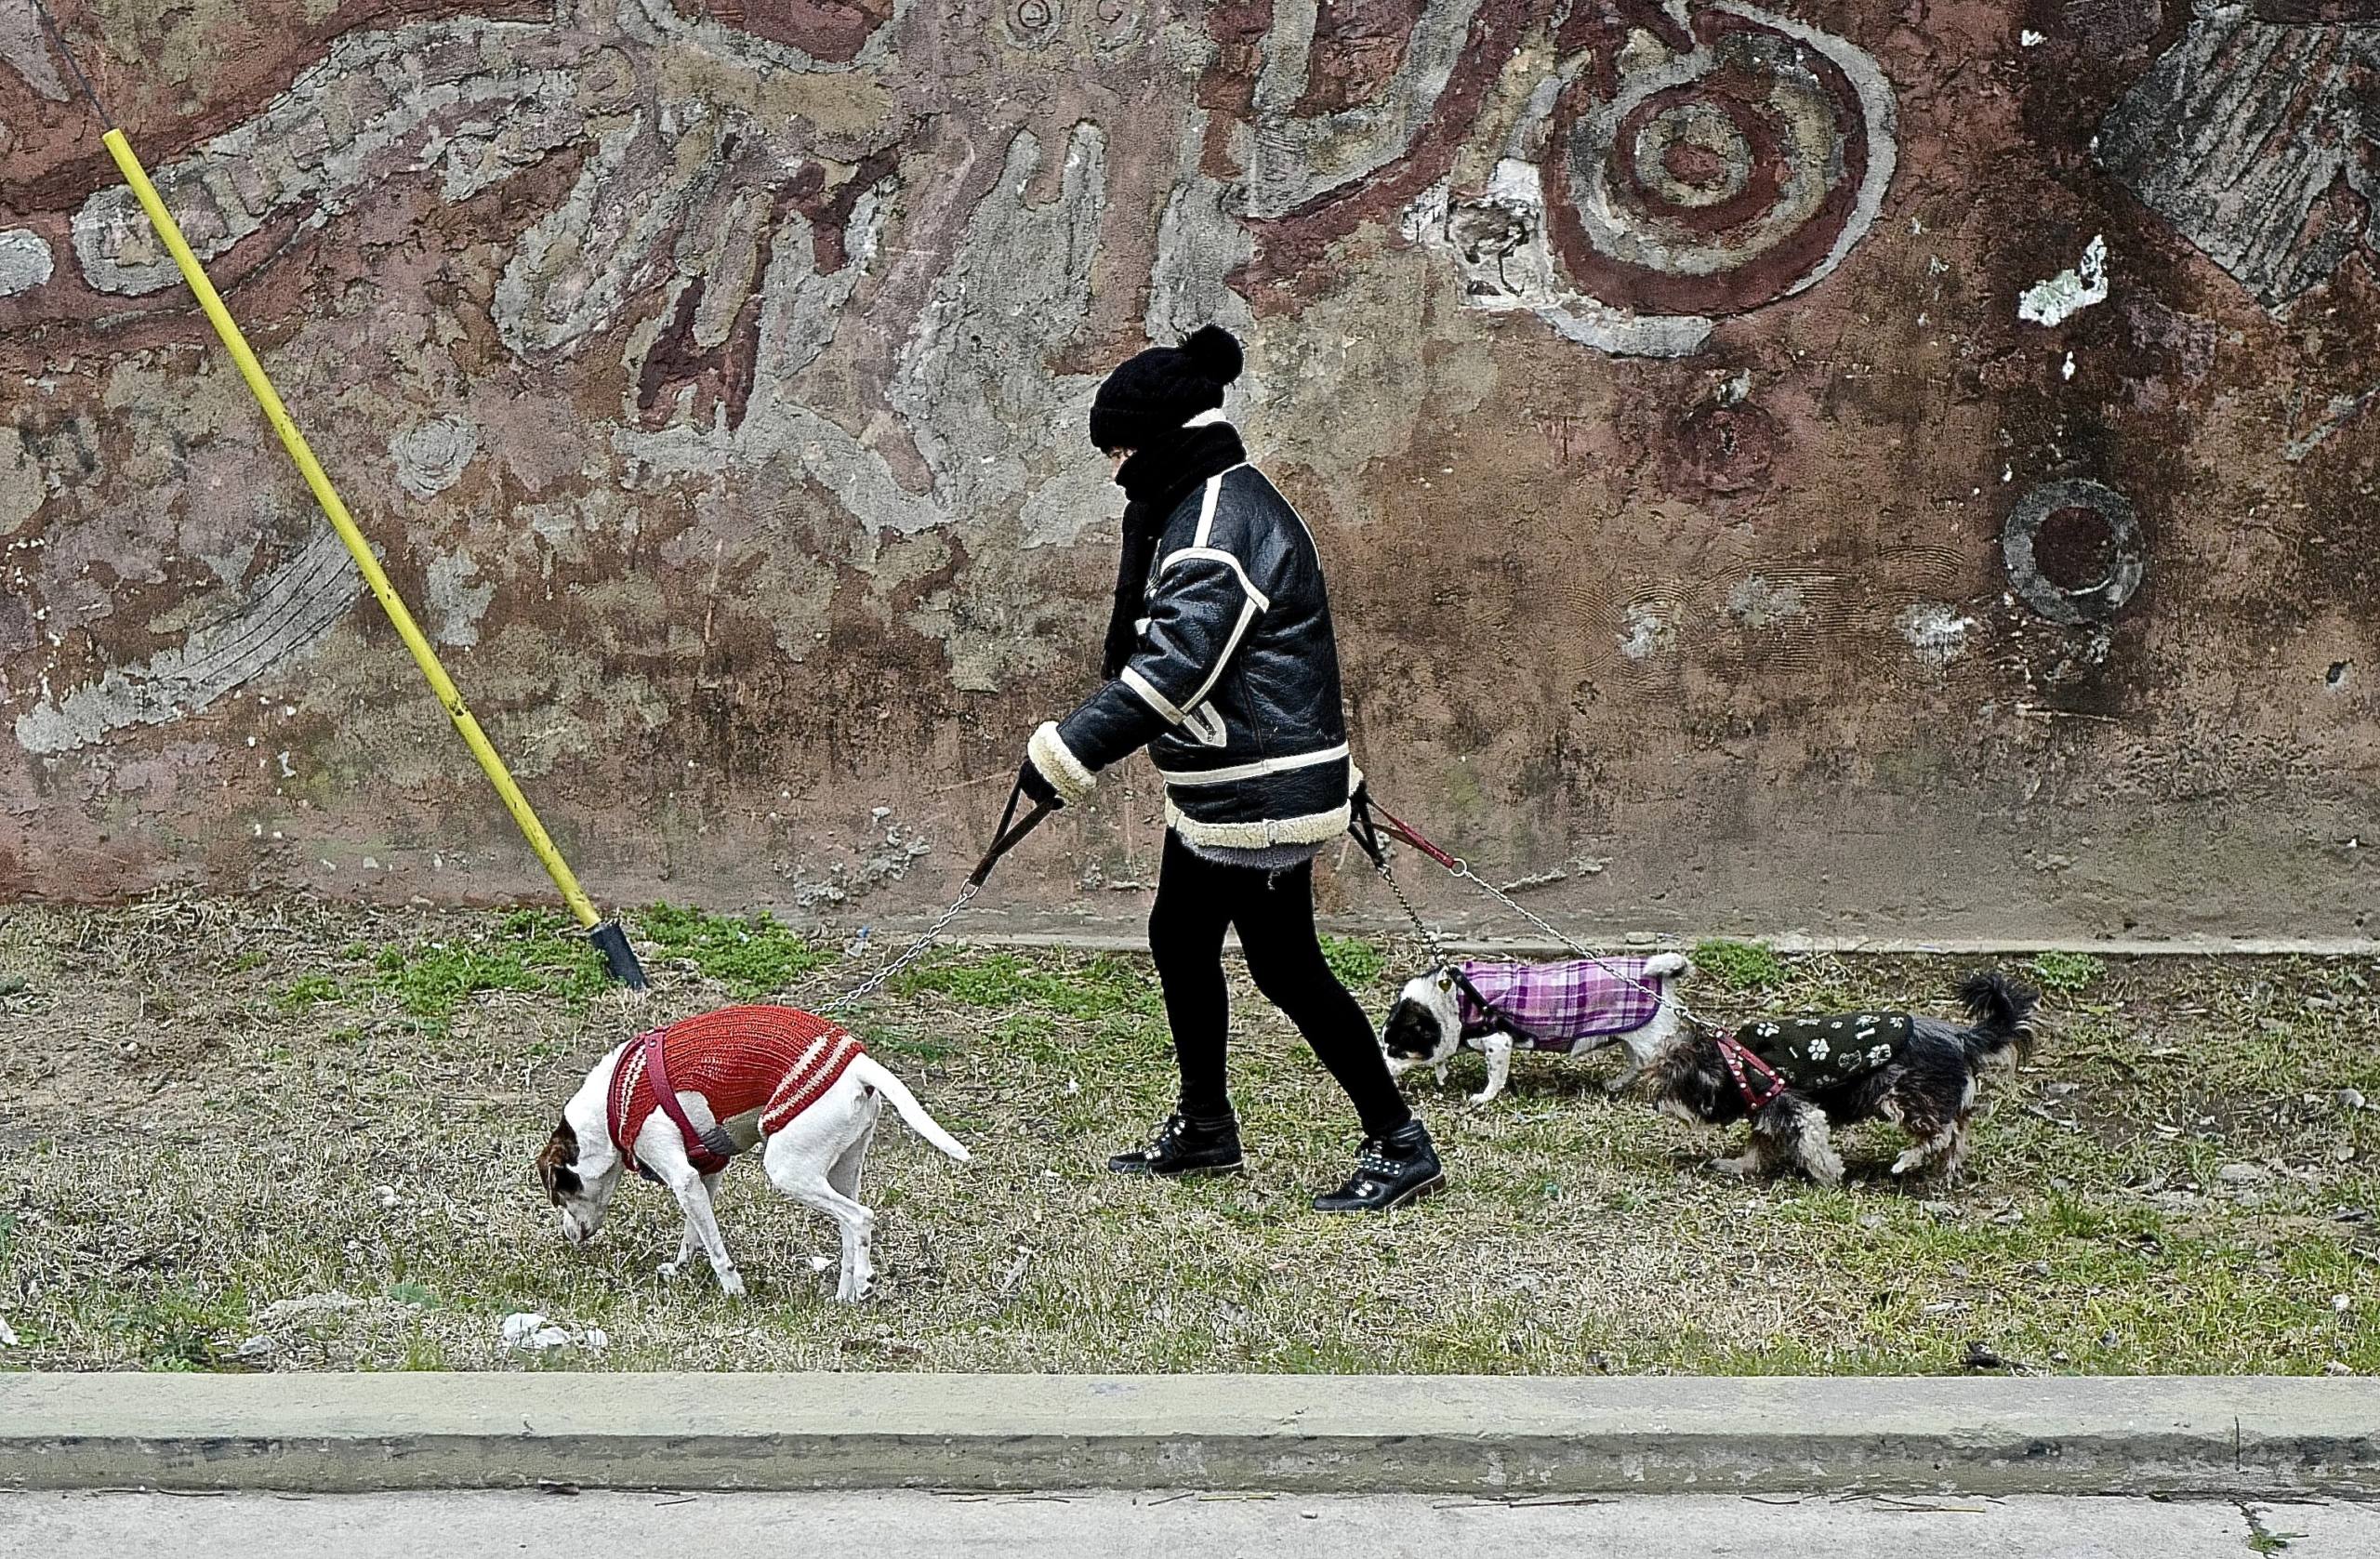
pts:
pixel 557 1164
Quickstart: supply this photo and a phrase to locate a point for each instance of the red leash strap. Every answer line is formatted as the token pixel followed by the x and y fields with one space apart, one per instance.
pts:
pixel 1370 814
pixel 1738 1058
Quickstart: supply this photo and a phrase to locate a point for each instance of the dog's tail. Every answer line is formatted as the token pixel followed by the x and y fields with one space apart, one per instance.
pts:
pixel 893 1088
pixel 2001 1014
pixel 1668 966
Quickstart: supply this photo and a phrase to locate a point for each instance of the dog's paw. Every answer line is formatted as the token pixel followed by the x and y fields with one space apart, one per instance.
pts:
pixel 1482 1097
pixel 667 1271
pixel 731 1283
pixel 1734 1169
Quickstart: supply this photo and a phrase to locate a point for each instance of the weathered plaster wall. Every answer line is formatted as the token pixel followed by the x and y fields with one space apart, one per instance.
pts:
pixel 1903 469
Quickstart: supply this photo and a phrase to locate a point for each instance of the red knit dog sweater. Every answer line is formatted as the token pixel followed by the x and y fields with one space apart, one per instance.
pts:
pixel 777 1060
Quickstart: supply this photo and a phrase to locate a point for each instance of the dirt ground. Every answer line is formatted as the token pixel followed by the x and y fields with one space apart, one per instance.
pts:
pixel 291 1135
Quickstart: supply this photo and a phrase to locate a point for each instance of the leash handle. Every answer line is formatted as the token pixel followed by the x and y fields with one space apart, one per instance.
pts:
pixel 1008 837
pixel 1368 820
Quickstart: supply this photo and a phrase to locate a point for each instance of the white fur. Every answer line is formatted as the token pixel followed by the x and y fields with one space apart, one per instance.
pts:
pixel 816 1158
pixel 1059 765
pixel 1437 992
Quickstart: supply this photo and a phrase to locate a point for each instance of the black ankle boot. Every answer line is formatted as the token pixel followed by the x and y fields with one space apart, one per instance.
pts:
pixel 1186 1146
pixel 1390 1171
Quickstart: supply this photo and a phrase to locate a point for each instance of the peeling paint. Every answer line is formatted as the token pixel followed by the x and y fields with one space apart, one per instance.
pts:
pixel 2255 142
pixel 1648 631
pixel 1939 633
pixel 25 260
pixel 712 375
pixel 24 485
pixel 456 601
pixel 429 457
pixel 1757 602
pixel 287 614
pixel 2062 297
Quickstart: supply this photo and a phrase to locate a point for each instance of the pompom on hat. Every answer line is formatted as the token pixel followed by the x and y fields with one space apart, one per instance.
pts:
pixel 1151 394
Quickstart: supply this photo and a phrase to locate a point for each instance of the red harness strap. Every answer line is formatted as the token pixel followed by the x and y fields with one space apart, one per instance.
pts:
pixel 772 1061
pixel 1733 1053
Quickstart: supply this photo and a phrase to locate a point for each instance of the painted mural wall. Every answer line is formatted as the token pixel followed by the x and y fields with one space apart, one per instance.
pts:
pixel 1871 468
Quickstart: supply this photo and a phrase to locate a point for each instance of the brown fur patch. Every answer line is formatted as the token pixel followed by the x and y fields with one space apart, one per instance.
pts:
pixel 557 1164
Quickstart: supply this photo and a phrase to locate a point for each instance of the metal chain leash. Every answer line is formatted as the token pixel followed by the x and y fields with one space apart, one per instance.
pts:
pixel 1456 866
pixel 1005 839
pixel 909 955
pixel 1430 939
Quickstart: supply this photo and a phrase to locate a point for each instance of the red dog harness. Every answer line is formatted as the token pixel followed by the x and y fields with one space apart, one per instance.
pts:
pixel 1738 1058
pixel 777 1061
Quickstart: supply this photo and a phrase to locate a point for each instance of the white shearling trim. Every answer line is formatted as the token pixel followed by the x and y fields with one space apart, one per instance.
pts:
pixel 1312 829
pixel 1154 699
pixel 1059 765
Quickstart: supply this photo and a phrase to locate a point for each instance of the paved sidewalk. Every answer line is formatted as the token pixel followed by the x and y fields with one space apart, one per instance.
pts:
pixel 924 1526
pixel 1491 1435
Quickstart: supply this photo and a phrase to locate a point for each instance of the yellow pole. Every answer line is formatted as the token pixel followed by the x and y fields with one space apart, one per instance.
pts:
pixel 390 602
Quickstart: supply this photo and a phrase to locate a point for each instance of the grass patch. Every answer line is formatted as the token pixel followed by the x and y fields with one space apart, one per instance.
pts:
pixel 1740 966
pixel 753 955
pixel 1104 986
pixel 2099 1230
pixel 2067 973
pixel 307 991
pixel 1356 962
pixel 430 982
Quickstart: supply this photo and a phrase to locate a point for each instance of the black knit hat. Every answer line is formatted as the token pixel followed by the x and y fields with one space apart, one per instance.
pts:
pixel 1153 393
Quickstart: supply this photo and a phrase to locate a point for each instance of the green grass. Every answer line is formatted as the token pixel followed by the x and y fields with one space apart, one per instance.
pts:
pixel 306 991
pixel 2096 1232
pixel 753 955
pixel 1358 963
pixel 1740 966
pixel 2067 973
pixel 530 951
pixel 1105 986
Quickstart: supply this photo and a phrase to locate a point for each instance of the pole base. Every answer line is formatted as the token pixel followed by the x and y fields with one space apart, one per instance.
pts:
pixel 617 954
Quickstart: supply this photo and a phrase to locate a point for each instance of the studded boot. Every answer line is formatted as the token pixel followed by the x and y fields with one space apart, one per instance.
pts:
pixel 1390 1171
pixel 1186 1146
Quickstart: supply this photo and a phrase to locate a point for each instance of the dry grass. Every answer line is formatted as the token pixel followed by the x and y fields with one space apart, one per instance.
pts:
pixel 201 1102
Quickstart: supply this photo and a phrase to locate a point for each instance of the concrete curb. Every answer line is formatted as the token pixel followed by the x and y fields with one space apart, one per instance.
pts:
pixel 1467 1434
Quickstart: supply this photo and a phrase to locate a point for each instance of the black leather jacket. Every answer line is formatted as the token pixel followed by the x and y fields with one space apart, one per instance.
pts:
pixel 1234 684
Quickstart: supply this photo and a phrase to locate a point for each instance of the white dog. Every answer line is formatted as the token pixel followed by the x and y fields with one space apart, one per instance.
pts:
pixel 1573 1007
pixel 676 1103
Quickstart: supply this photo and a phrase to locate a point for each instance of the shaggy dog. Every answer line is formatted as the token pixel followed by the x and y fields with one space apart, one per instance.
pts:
pixel 1793 1077
pixel 678 1103
pixel 1572 1008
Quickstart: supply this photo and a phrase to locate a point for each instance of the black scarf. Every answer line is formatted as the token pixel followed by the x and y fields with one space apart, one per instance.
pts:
pixel 1154 480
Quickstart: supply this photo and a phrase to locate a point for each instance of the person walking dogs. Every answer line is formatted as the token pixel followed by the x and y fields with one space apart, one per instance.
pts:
pixel 1219 660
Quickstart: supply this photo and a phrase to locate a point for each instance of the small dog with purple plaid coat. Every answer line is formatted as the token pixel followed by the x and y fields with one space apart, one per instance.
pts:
pixel 1571 1007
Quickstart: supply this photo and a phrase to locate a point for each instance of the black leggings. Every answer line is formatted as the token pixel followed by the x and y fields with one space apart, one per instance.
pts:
pixel 1197 899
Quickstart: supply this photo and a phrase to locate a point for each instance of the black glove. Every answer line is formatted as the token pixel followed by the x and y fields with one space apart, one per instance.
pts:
pixel 1038 789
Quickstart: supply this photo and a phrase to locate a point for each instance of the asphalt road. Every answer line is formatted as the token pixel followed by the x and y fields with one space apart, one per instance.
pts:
pixel 897 1525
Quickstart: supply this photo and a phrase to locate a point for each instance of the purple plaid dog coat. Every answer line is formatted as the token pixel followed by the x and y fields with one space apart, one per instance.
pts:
pixel 1554 1006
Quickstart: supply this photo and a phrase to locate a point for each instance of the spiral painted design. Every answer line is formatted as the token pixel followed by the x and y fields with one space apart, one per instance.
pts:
pixel 1732 174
